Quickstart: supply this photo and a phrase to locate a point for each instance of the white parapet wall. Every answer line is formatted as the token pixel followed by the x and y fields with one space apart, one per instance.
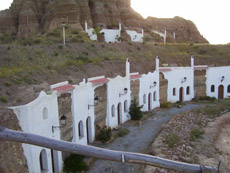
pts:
pixel 218 82
pixel 111 35
pixel 135 37
pixel 118 99
pixel 83 113
pixel 38 117
pixel 90 31
pixel 149 91
pixel 118 102
pixel 180 82
pixel 163 35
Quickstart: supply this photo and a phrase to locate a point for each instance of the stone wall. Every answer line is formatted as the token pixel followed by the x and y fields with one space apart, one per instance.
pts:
pixel 135 85
pixel 12 158
pixel 100 108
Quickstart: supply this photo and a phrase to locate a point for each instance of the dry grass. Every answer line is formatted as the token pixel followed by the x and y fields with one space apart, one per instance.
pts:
pixel 221 125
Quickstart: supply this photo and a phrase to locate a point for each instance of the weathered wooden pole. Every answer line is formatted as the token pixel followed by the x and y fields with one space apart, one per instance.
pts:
pixel 119 156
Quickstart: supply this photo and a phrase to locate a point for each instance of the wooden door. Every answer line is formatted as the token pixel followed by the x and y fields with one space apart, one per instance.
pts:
pixel 181 94
pixel 118 113
pixel 149 101
pixel 221 92
pixel 87 129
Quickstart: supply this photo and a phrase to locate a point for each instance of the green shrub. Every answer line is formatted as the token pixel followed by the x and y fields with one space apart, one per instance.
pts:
pixel 165 105
pixel 195 134
pixel 55 33
pixel 123 132
pixel 4 99
pixel 135 110
pixel 75 163
pixel 172 139
pixel 104 135
pixel 37 40
pixel 60 47
pixel 207 98
pixel 7 83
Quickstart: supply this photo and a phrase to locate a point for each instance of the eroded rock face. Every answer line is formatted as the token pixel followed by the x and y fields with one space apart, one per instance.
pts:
pixel 29 17
pixel 185 30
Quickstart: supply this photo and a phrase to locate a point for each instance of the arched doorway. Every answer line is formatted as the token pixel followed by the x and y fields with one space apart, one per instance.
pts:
pixel 149 101
pixel 119 113
pixel 43 161
pixel 221 92
pixel 89 130
pixel 181 94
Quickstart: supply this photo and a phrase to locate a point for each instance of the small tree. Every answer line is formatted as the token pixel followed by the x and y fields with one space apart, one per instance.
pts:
pixel 135 110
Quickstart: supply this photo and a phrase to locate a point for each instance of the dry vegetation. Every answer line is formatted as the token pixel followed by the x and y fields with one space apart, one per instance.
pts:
pixel 193 137
pixel 42 60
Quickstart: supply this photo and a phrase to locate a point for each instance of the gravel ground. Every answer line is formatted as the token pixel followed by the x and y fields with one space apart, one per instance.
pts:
pixel 138 140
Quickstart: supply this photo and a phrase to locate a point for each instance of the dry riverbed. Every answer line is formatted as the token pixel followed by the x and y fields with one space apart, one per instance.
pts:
pixel 200 136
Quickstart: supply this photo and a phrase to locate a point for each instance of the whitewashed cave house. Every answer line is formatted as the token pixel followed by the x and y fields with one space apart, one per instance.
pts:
pixel 118 99
pixel 84 101
pixel 90 31
pixel 39 117
pixel 149 89
pixel 112 35
pixel 180 82
pixel 218 82
pixel 136 37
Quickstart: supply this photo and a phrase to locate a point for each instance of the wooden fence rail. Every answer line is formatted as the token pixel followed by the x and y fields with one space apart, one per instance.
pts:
pixel 100 153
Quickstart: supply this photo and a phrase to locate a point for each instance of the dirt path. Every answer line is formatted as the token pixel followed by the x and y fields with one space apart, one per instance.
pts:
pixel 138 140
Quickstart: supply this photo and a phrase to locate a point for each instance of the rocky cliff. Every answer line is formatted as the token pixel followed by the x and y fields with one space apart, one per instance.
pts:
pixel 185 30
pixel 29 17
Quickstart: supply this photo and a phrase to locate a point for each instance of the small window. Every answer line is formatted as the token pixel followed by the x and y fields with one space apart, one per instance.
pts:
pixel 126 106
pixel 113 111
pixel 213 88
pixel 174 91
pixel 80 129
pixel 228 88
pixel 144 98
pixel 45 113
pixel 188 90
pixel 154 96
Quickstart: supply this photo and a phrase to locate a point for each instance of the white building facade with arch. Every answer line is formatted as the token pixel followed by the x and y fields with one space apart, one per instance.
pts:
pixel 38 117
pixel 218 82
pixel 180 82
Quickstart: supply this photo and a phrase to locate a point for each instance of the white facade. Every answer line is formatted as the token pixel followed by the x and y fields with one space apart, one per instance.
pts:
pixel 135 37
pixel 118 99
pixel 112 35
pixel 90 32
pixel 163 35
pixel 180 83
pixel 83 113
pixel 38 117
pixel 218 82
pixel 149 94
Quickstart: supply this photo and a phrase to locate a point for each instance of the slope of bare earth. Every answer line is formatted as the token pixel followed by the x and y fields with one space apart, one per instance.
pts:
pixel 200 137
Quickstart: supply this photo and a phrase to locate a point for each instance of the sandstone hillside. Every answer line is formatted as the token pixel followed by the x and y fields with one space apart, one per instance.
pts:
pixel 29 17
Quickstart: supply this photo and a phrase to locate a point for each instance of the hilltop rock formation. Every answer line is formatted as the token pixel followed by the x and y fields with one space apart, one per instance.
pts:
pixel 185 30
pixel 28 17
